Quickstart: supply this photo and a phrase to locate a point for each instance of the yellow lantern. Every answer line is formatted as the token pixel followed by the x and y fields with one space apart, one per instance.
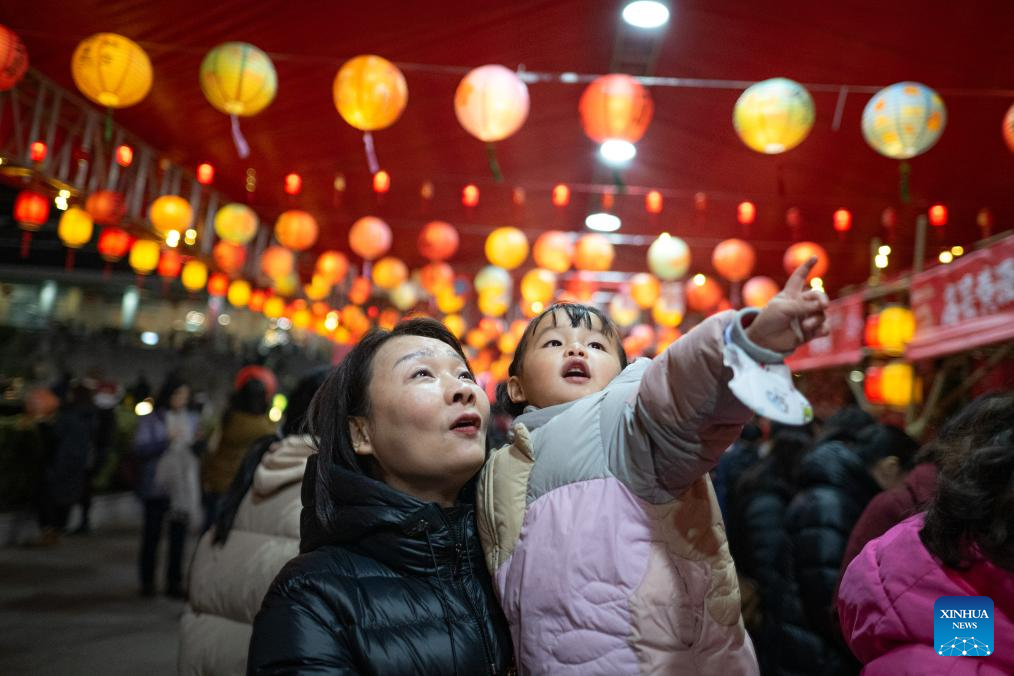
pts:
pixel 898 384
pixel 286 285
pixel 296 229
pixel 449 302
pixel 456 325
pixel 318 288
pixel 594 252
pixel 236 223
pixel 404 296
pixel 389 273
pixel 491 103
pixel 370 92
pixel 277 262
pixel 623 310
pixel 111 70
pixel 507 247
pixel 194 275
pixel 493 303
pixel 507 343
pixel 274 307
pixel 75 228
pixel 170 212
pixel 144 256
pixel 239 293
pixel 538 286
pixel 301 318
pixel 492 277
pixel 895 328
pixel 670 307
pixel 554 251
pixel 774 115
pixel 238 79
pixel 644 289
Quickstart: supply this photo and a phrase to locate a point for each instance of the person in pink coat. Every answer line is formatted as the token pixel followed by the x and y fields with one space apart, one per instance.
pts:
pixel 962 546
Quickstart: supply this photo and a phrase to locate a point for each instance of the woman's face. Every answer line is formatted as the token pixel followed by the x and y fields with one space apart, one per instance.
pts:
pixel 179 398
pixel 426 428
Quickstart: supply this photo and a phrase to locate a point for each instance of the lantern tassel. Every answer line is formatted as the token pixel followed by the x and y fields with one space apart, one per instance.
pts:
pixel 494 165
pixel 371 153
pixel 621 187
pixel 904 169
pixel 242 147
pixel 26 244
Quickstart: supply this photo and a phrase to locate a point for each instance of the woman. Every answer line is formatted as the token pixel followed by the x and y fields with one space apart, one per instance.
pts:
pixel 391 577
pixel 168 486
pixel 255 534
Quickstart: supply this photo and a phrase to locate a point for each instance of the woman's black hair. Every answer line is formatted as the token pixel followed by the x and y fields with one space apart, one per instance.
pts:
pixel 970 516
pixel 577 314
pixel 345 393
pixel 165 393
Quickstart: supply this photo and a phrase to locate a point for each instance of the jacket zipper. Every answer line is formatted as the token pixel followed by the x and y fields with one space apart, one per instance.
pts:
pixel 471 605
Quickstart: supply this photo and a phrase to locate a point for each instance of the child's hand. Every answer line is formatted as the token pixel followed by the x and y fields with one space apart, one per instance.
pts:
pixel 792 317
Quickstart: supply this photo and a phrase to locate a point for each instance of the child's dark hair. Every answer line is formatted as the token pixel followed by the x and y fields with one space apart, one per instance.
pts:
pixel 577 313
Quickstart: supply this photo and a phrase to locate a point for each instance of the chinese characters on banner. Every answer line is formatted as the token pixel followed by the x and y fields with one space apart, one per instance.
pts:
pixel 964 305
pixel 842 346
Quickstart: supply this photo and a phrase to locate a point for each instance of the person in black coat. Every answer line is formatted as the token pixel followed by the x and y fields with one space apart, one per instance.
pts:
pixel 390 578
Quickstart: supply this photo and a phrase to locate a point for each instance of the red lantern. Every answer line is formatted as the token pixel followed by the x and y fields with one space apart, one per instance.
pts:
pixel 37 151
pixel 106 207
pixel 734 259
pixel 653 202
pixel 842 220
pixel 293 184
pixel 205 173
pixel 228 257
pixel 170 264
pixel 381 182
pixel 889 218
pixel 124 155
pixel 360 290
pixel 703 293
pixel 794 217
pixel 938 215
pixel 470 195
pixel 13 58
pixel 31 211
pixel 615 107
pixel 873 385
pixel 871 332
pixel 561 195
pixel 218 284
pixel 114 243
pixel 438 241
pixel 800 252
pixel 746 212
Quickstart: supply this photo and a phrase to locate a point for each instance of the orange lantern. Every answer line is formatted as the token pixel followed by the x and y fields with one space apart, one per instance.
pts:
pixel 389 273
pixel 538 286
pixel 554 251
pixel 436 276
pixel 332 266
pixel 507 248
pixel 381 182
pixel 389 318
pixel 124 155
pixel 438 241
pixel 593 252
pixel 296 230
pixel 31 211
pixel 615 107
pixel 493 303
pixel 871 332
pixel 218 284
pixel 75 228
pixel 205 173
pixel 170 212
pixel 470 195
pixel 370 92
pixel 644 289
pixel 653 202
pixel 257 299
pixel 318 289
pixel 703 293
pixel 277 262
pixel 293 184
pixel 170 264
pixel 106 207
pixel 114 243
pixel 873 384
pixel 274 307
pixel 800 252
pixel 491 103
pixel 746 213
pixel 759 290
pixel 561 195
pixel 144 256
pixel 734 259
pixel 239 293
pixel 194 275
pixel 370 237
pixel 455 324
pixel 228 257
pixel 286 285
pixel 236 223
pixel 449 302
pixel 13 58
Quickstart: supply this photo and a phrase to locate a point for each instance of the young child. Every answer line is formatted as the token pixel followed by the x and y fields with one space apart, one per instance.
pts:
pixel 599 523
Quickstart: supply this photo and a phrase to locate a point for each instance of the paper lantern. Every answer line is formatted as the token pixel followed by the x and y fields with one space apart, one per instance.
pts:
pixel 236 223
pixel 733 259
pixel 895 328
pixel 296 230
pixel 644 289
pixel 594 253
pixel 774 115
pixel 746 213
pixel 800 252
pixel 615 107
pixel 218 285
pixel 898 384
pixel 623 310
pixel 370 237
pixel 938 215
pixel 258 297
pixel 580 288
pixel 114 243
pixel 491 103
pixel 904 120
pixel 404 296
pixel 205 173
pixel 333 266
pixel 381 182
pixel 389 272
pixel 871 331
pixel 318 289
pixel 111 70
pixel 360 290
pixel 238 79
pixel 286 285
pixel 493 303
pixel 106 207
pixel 759 290
pixel 170 212
pixel 169 264
pixel 470 195
pixel 554 251
pixel 561 195
pixel 370 92
pixel 842 219
pixel 194 275
pixel 353 318
pixel 277 262
pixel 31 211
pixel 228 257
pixel 75 228
pixel 438 241
pixel 145 256
pixel 653 202
pixel 239 293
pixel 702 293
pixel 506 248
pixel 668 257
pixel 456 325
pixel 450 302
pixel 538 286
pixel 507 344
pixel 274 307
pixel 124 155
pixel 493 278
pixel 1008 128
pixel 436 276
pixel 13 58
pixel 668 310
pixel 873 385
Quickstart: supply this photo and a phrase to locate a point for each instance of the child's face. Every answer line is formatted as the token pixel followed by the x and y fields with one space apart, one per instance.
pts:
pixel 564 362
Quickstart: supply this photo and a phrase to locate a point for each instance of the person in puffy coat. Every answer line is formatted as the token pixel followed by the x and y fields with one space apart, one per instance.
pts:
pixel 962 546
pixel 255 534
pixel 390 577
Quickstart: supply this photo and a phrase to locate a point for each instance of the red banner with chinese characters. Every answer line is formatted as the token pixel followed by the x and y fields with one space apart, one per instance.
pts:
pixel 842 346
pixel 966 304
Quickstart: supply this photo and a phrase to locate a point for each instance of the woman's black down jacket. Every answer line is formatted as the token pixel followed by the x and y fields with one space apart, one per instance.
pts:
pixel 401 590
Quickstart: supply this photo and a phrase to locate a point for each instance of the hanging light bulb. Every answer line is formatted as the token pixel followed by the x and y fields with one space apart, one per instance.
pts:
pixel 646 14
pixel 603 222
pixel 617 152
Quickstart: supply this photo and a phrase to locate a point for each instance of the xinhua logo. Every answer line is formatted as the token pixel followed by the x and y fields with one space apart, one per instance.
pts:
pixel 963 626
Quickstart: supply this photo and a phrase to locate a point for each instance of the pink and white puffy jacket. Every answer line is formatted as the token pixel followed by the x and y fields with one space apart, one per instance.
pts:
pixel 601 528
pixel 885 603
